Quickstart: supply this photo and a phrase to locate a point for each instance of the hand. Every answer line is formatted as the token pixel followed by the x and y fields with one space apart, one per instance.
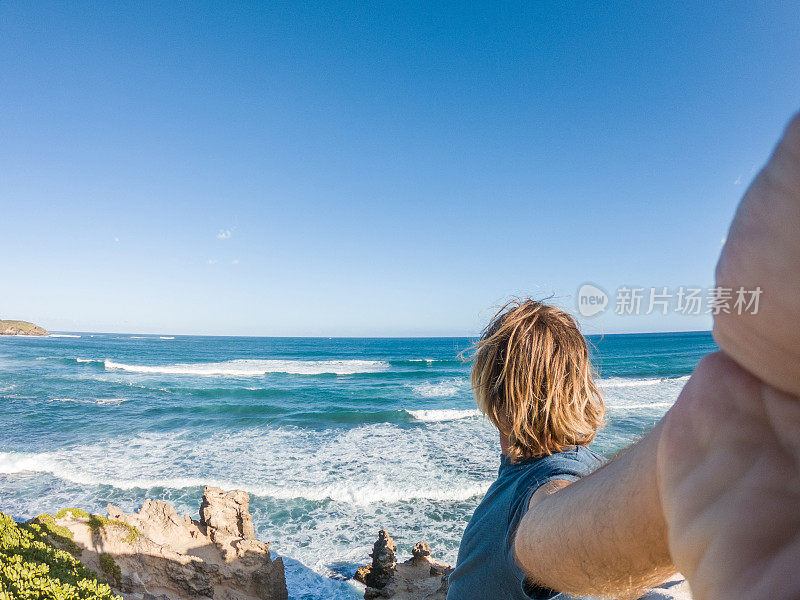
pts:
pixel 729 480
pixel 763 250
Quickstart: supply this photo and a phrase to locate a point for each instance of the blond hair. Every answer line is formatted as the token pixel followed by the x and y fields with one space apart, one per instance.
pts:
pixel 532 377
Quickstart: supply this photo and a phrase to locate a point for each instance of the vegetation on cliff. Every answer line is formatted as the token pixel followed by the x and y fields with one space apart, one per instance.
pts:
pixel 31 568
pixel 96 522
pixel 20 328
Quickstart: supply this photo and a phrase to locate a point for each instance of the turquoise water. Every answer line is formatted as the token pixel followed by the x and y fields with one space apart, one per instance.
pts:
pixel 334 439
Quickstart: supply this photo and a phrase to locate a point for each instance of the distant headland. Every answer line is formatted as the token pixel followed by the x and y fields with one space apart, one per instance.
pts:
pixel 20 328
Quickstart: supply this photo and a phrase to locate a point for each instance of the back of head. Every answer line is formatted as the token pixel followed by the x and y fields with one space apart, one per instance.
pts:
pixel 533 378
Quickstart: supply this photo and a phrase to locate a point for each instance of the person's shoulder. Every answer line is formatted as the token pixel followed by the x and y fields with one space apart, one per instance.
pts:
pixel 570 464
pixel 588 456
pixel 579 459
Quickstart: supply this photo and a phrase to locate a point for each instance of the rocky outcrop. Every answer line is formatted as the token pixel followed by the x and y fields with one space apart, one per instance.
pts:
pixel 20 328
pixel 419 578
pixel 155 554
pixel 227 513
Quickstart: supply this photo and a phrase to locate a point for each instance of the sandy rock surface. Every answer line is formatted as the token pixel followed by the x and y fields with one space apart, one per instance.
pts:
pixel 155 554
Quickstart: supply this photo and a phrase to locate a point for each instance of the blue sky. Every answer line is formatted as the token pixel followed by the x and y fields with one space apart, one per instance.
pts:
pixel 396 169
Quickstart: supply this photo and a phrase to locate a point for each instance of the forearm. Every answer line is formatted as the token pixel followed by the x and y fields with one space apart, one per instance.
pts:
pixel 604 535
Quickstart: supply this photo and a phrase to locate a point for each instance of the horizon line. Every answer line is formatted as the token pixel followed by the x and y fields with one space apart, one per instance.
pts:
pixel 329 337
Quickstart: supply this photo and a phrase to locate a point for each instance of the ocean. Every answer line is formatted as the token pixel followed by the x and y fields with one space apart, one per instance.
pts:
pixel 333 438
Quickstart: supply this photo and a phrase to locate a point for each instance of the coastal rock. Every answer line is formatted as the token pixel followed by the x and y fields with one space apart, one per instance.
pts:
pixel 384 561
pixel 419 578
pixel 20 328
pixel 155 554
pixel 421 550
pixel 227 513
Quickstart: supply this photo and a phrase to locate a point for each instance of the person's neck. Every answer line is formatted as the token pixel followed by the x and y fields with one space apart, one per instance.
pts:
pixel 505 445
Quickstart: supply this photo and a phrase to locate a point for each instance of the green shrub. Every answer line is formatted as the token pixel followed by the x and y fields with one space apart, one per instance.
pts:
pixel 32 569
pixel 110 567
pixel 97 522
pixel 77 513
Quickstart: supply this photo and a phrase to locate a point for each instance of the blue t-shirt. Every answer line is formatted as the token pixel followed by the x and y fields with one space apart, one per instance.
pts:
pixel 486 567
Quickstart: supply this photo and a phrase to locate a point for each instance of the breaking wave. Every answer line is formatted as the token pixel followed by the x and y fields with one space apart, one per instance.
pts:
pixel 440 389
pixel 443 414
pixel 355 493
pixel 623 382
pixel 98 401
pixel 255 367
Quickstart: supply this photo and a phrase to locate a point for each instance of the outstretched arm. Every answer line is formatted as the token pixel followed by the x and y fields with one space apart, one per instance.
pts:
pixel 715 487
pixel 603 535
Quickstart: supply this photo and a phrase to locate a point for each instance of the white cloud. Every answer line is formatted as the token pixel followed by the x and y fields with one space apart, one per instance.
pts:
pixel 212 261
pixel 738 180
pixel 116 240
pixel 224 234
pixel 235 261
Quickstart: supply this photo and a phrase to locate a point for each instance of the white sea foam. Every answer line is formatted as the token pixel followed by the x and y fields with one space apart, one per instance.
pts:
pixel 648 397
pixel 166 337
pixel 361 495
pixel 443 414
pixel 110 401
pixel 427 360
pixel 18 462
pixel 445 388
pixel 255 367
pixel 643 406
pixel 373 463
pixel 62 335
pixel 77 360
pixel 621 382
pixel 100 401
pixel 355 494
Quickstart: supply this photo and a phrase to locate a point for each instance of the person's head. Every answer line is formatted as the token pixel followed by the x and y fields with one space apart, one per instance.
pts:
pixel 533 379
